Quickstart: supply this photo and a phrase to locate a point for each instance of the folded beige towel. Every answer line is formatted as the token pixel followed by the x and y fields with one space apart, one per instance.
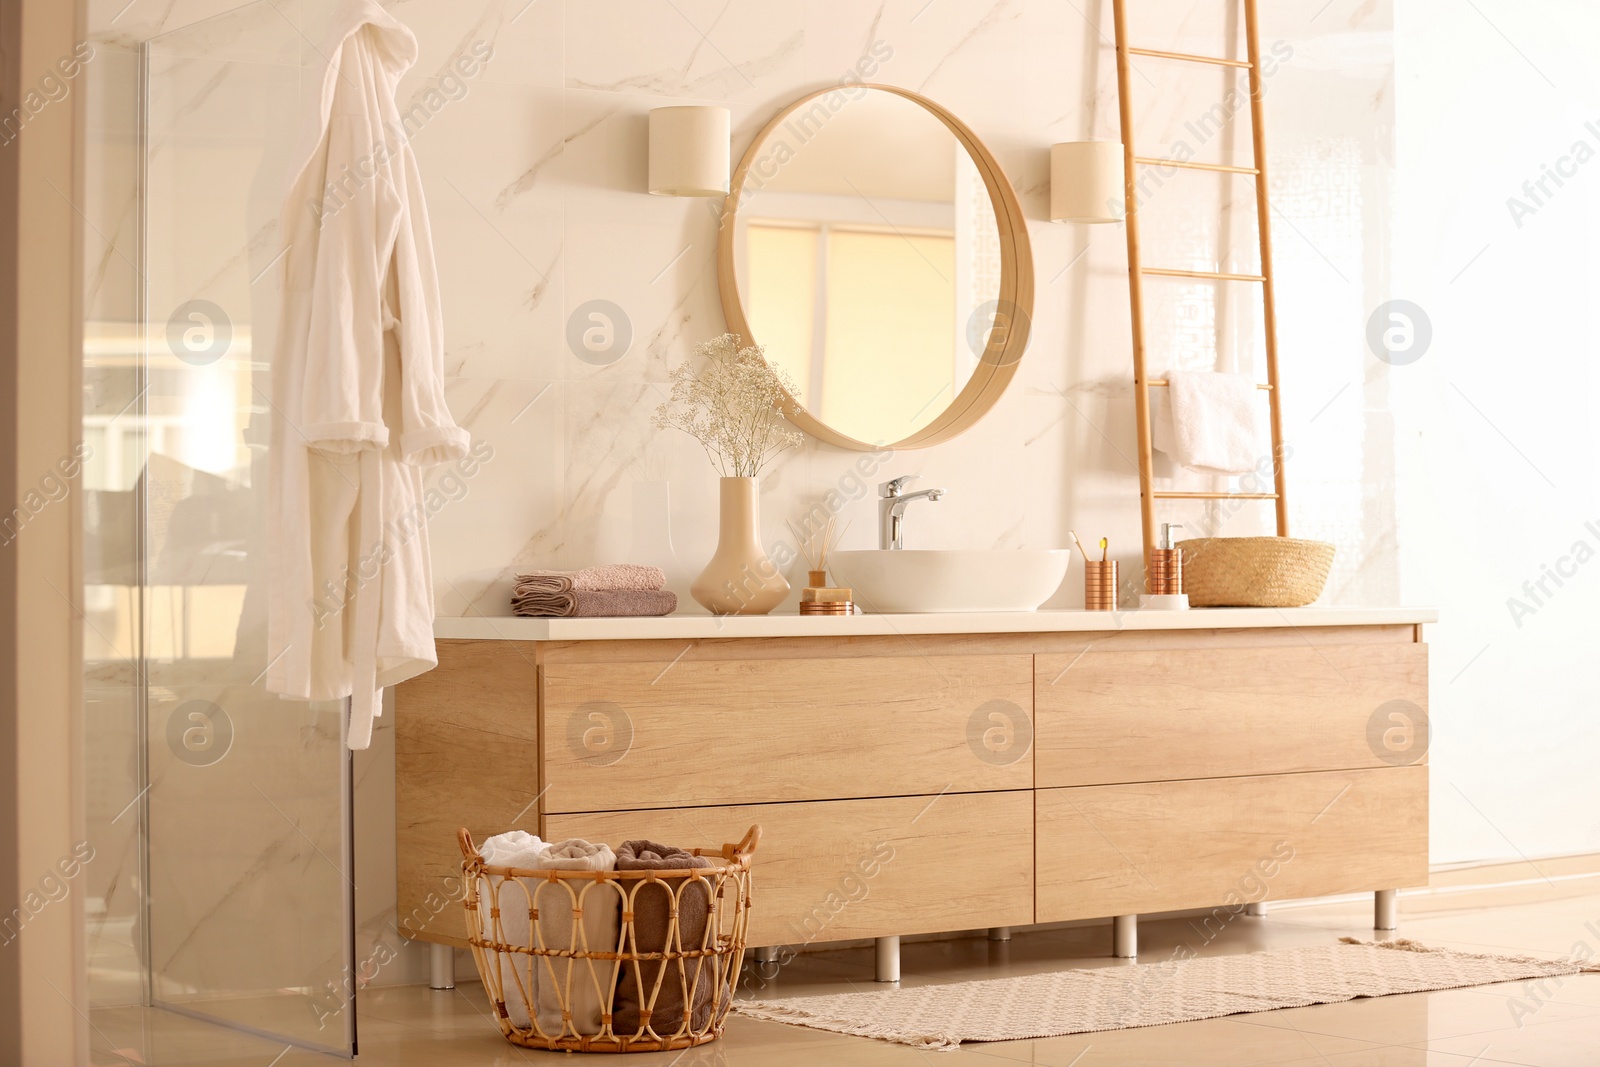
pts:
pixel 585 604
pixel 537 979
pixel 586 983
pixel 687 982
pixel 609 576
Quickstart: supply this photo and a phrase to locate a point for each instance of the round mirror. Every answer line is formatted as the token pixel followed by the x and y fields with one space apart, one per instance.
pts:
pixel 874 248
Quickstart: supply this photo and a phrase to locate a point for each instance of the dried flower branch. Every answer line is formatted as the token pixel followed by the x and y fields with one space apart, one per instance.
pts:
pixel 733 405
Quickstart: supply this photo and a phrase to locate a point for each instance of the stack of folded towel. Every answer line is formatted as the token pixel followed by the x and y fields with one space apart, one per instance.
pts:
pixel 612 589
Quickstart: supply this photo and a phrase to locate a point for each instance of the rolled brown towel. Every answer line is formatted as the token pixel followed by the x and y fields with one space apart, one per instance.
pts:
pixel 609 576
pixel 581 604
pixel 652 917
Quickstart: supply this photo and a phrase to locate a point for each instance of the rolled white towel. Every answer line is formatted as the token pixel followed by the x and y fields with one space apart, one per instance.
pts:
pixel 518 971
pixel 514 848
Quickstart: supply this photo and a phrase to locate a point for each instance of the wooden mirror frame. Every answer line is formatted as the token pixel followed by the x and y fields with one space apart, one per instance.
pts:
pixel 1008 340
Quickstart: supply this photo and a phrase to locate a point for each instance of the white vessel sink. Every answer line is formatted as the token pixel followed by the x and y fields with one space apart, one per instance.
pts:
pixel 910 580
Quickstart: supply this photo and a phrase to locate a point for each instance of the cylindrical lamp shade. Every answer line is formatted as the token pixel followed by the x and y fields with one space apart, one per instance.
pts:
pixel 1086 182
pixel 689 151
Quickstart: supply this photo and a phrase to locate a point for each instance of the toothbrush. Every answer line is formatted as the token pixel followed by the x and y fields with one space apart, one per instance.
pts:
pixel 1104 544
pixel 1074 535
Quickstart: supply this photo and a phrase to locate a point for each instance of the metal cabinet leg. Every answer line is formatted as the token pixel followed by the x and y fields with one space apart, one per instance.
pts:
pixel 999 933
pixel 888 969
pixel 1386 909
pixel 441 966
pixel 1125 936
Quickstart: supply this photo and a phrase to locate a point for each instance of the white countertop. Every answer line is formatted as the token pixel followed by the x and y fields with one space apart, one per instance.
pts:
pixel 510 628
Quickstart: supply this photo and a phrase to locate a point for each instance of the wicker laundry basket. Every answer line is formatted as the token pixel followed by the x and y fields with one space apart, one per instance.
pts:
pixel 651 987
pixel 1254 572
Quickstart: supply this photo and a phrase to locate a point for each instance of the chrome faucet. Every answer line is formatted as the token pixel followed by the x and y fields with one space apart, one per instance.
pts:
pixel 892 501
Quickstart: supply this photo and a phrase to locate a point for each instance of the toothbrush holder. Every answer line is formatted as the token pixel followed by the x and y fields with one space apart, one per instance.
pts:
pixel 1100 585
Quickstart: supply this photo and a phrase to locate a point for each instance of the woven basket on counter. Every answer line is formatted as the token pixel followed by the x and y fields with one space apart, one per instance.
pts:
pixel 648 990
pixel 1254 572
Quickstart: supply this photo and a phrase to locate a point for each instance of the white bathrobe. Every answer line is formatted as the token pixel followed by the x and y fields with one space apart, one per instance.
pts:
pixel 358 401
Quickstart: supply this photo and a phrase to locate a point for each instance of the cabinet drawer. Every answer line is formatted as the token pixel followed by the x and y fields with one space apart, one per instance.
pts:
pixel 859 868
pixel 1138 716
pixel 1159 846
pixel 657 734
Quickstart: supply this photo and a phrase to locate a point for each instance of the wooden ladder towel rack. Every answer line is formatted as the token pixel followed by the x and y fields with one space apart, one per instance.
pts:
pixel 1137 271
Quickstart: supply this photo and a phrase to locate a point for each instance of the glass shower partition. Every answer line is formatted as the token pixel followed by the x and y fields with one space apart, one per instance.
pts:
pixel 247 872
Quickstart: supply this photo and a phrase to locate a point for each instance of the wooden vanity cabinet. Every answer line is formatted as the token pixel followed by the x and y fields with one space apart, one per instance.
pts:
pixel 931 783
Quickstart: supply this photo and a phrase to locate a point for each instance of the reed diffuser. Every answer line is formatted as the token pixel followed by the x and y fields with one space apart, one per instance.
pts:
pixel 818 597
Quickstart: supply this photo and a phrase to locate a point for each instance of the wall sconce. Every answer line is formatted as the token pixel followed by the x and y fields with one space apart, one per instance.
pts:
pixel 689 148
pixel 1086 182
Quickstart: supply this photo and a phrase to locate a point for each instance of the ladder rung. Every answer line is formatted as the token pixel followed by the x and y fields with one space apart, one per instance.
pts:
pixel 1150 161
pixel 1215 61
pixel 1214 496
pixel 1166 272
pixel 1163 381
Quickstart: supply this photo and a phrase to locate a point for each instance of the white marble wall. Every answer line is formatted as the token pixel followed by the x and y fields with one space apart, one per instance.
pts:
pixel 536 180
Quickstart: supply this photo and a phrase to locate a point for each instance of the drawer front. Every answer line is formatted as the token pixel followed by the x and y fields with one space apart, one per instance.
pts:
pixel 859 868
pixel 1121 849
pixel 657 734
pixel 1141 716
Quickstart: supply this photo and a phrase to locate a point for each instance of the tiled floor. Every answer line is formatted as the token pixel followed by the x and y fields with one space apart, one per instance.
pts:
pixel 1556 1024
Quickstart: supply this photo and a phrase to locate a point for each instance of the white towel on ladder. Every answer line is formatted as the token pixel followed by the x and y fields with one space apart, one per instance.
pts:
pixel 1208 422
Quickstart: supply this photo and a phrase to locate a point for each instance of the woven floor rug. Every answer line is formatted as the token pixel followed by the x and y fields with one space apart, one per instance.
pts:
pixel 1117 998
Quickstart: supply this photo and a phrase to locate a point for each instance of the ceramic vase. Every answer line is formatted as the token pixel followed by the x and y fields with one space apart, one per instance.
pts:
pixel 740 579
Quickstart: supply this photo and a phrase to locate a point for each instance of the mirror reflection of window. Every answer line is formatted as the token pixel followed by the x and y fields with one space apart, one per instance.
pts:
pixel 782 288
pixel 867 254
pixel 890 351
pixel 877 348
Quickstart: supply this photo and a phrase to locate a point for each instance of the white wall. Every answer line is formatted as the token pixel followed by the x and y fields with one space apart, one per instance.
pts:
pixel 536 179
pixel 1495 422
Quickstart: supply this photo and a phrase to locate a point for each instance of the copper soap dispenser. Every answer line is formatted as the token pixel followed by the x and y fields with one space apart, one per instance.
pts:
pixel 1164 582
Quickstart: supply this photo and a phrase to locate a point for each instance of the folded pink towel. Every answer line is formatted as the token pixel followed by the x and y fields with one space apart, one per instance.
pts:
pixel 583 604
pixel 607 577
